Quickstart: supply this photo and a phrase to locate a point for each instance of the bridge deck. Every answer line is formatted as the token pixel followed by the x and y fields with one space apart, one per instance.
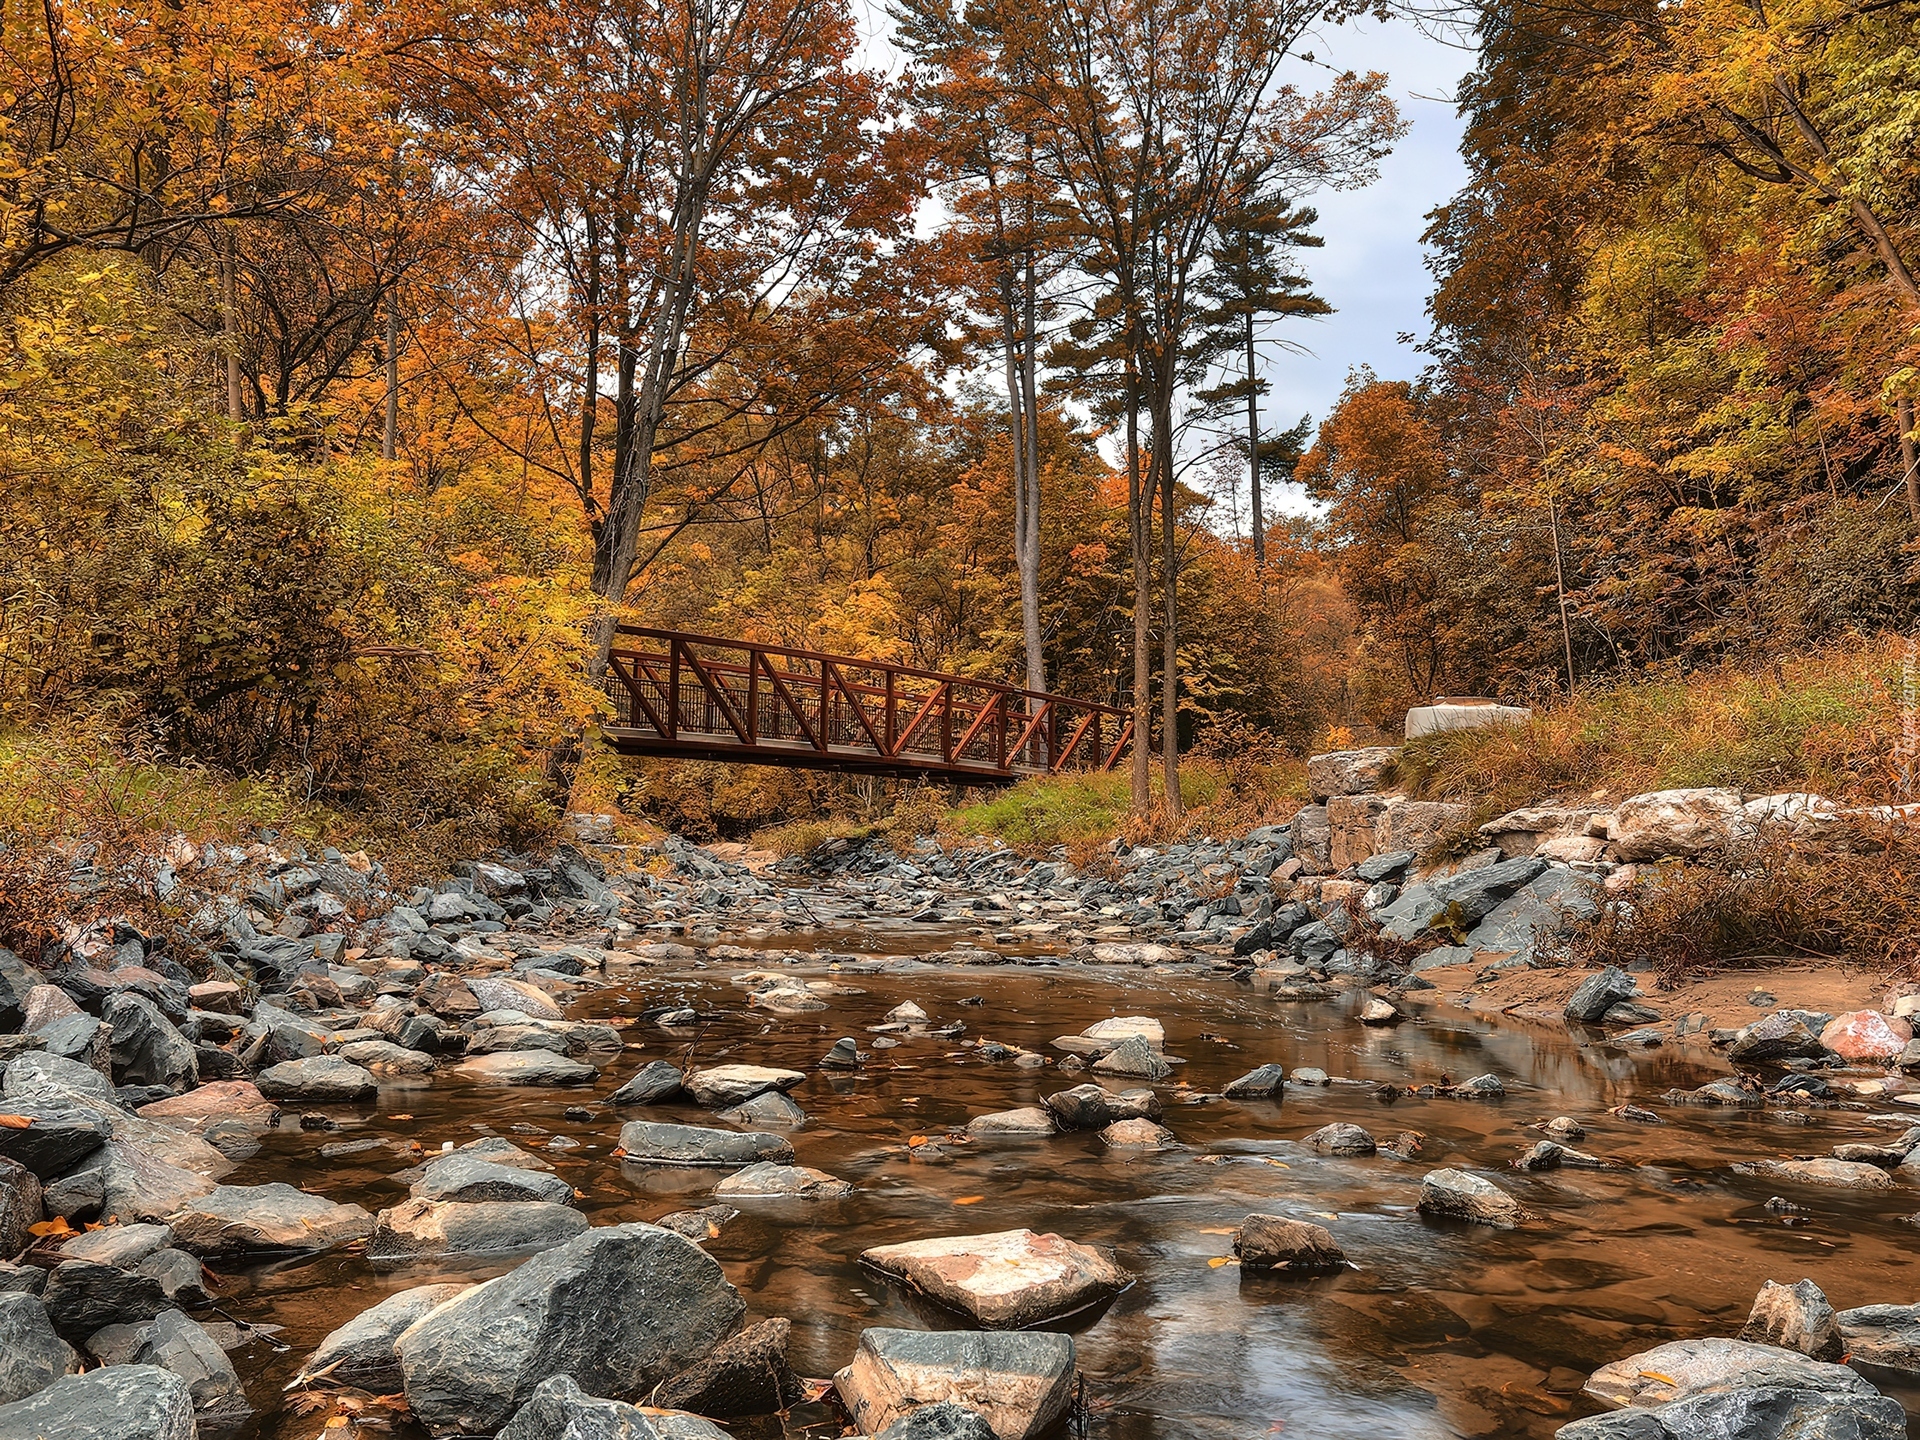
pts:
pixel 696 697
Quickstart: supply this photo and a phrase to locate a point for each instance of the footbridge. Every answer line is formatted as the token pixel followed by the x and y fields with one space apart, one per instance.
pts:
pixel 699 697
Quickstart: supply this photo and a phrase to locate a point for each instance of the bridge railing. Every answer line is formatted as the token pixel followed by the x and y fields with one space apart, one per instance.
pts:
pixel 678 693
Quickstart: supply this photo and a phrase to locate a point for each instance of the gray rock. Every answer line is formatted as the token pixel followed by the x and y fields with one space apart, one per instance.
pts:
pixel 1264 1083
pixel 173 1342
pixel 748 1375
pixel 137 1185
pixel 768 1108
pixel 1882 1337
pixel 1264 1242
pixel 425 1229
pixel 1134 1058
pixel 467 1177
pixel 528 1067
pixel 61 1134
pixel 122 1245
pixel 1597 994
pixel 83 1297
pixel 1349 772
pixel 559 1409
pixel 1094 1107
pixel 1771 1413
pixel 360 1352
pixel 21 1207
pixel 1457 1195
pixel 319 1079
pixel 1021 1383
pixel 120 1402
pixel 1685 1369
pixel 619 1309
pixel 645 1142
pixel 1027 1122
pixel 767 1181
pixel 1138 1134
pixel 32 1356
pixel 383 1057
pixel 656 1081
pixel 265 1219
pixel 844 1055
pixel 1774 1039
pixel 724 1085
pixel 1840 1174
pixel 146 1049
pixel 1457 904
pixel 1340 1139
pixel 179 1274
pixel 498 993
pixel 1795 1317
pixel 1007 1279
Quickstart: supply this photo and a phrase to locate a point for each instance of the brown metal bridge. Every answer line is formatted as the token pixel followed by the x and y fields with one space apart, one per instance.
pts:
pixel 697 697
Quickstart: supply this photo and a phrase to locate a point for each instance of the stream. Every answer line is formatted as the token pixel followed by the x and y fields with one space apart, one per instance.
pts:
pixel 1436 1330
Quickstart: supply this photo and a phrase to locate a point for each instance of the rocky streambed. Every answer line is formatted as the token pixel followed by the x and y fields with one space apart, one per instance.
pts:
pixel 719 1139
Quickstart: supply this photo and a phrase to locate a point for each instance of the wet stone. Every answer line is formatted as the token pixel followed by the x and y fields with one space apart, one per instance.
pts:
pixel 1007 1279
pixel 1020 1383
pixel 1340 1139
pixel 1267 1242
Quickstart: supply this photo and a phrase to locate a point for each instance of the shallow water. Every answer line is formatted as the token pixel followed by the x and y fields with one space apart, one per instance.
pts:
pixel 1440 1330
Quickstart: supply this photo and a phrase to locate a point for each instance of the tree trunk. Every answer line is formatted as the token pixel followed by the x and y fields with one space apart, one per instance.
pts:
pixel 390 434
pixel 230 323
pixel 1170 618
pixel 1253 453
pixel 1909 463
pixel 1030 535
pixel 1139 521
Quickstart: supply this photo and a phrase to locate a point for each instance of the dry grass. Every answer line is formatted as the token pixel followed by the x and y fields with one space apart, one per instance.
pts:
pixel 1827 721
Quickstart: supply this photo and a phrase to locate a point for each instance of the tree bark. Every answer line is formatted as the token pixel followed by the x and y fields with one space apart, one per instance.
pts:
pixel 390 433
pixel 1139 520
pixel 1170 609
pixel 1909 462
pixel 1253 453
pixel 230 323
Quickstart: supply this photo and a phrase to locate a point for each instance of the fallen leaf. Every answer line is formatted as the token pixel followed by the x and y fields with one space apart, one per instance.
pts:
pixel 969 1199
pixel 1218 1230
pixel 914 1142
pixel 56 1226
pixel 15 1122
pixel 1656 1375
pixel 1217 1261
pixel 399 1117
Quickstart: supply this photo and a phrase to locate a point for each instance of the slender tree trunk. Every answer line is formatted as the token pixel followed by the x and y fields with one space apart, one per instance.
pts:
pixel 1909 462
pixel 390 435
pixel 1560 587
pixel 1170 617
pixel 1253 453
pixel 1030 534
pixel 230 323
pixel 1139 522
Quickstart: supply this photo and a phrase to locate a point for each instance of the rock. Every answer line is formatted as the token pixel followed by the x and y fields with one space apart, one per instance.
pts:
pixel 770 1181
pixel 1005 1280
pixel 1550 1155
pixel 83 1297
pixel 32 1356
pixel 1681 823
pixel 146 1049
pixel 61 1134
pixel 265 1219
pixel 648 1143
pixel 174 1342
pixel 1457 1195
pixel 747 1375
pixel 769 1107
pixel 1795 1317
pixel 212 1104
pixel 1004 1124
pixel 360 1353
pixel 1266 1242
pixel 1340 1139
pixel 845 1055
pixel 725 1085
pixel 496 992
pixel 134 1185
pixel 1264 1083
pixel 1597 994
pixel 699 1225
pixel 122 1245
pixel 528 1067
pixel 1138 1134
pixel 1882 1337
pixel 119 1402
pixel 1842 1174
pixel 656 1081
pixel 1752 1414
pixel 1866 1037
pixel 320 1079
pixel 424 1229
pixel 1684 1369
pixel 1480 1087
pixel 21 1207
pixel 468 1177
pixel 1120 1027
pixel 1021 1383
pixel 1135 1058
pixel 1094 1107
pixel 1348 772
pixel 949 1420
pixel 1411 827
pixel 384 1057
pixel 559 1409
pixel 619 1309
pixel 1455 905
pixel 1380 1012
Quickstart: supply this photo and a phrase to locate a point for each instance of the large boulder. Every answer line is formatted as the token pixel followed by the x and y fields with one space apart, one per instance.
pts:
pixel 422 1229
pixel 1681 823
pixel 725 1085
pixel 1349 772
pixel 1840 1174
pixel 559 1409
pixel 1457 1195
pixel 1686 1369
pixel 1775 1039
pixel 647 1143
pixel 360 1353
pixel 1866 1037
pixel 1005 1280
pixel 319 1079
pixel 32 1356
pixel 146 1048
pixel 1020 1383
pixel 619 1309
pixel 466 1176
pixel 1795 1317
pixel 119 1402
pixel 767 1181
pixel 655 1081
pixel 1457 904
pixel 1267 1242
pixel 83 1296
pixel 1764 1413
pixel 528 1067
pixel 174 1342
pixel 1882 1337
pixel 496 992
pixel 1597 994
pixel 265 1219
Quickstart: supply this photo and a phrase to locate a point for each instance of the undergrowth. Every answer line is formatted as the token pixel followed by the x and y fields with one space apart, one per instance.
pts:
pixel 1826 721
